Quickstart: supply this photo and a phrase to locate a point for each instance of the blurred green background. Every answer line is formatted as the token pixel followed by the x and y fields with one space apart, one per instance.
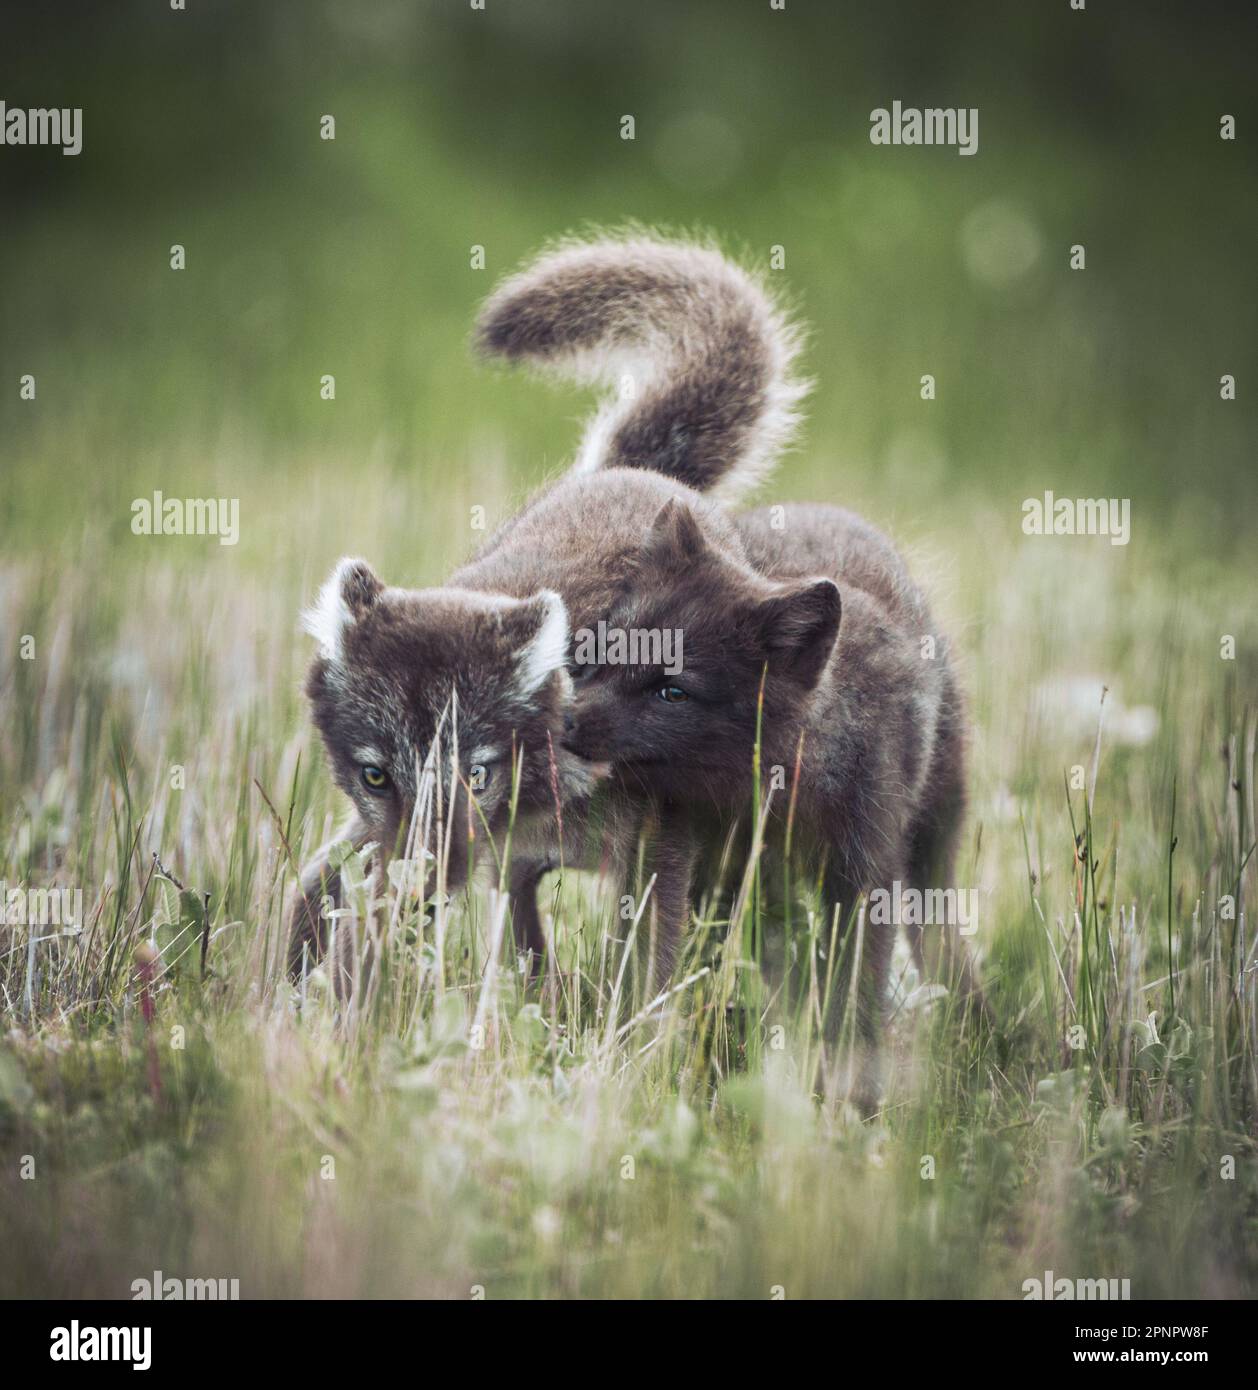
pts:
pixel 501 128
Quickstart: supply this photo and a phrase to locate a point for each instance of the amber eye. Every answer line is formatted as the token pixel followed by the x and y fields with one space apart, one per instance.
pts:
pixel 375 779
pixel 674 694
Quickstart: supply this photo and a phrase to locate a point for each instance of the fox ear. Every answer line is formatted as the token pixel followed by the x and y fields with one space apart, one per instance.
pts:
pixel 799 629
pixel 539 628
pixel 349 591
pixel 676 535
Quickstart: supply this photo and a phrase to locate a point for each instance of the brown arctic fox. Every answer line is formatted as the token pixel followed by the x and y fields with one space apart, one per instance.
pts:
pixel 461 691
pixel 811 637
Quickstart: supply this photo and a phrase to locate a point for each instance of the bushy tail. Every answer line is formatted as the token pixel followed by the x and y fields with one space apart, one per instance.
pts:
pixel 700 354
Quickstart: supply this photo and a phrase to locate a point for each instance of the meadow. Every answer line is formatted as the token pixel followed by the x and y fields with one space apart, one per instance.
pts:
pixel 169 1100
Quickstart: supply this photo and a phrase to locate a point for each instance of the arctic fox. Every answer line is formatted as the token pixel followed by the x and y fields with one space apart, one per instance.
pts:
pixel 462 685
pixel 812 644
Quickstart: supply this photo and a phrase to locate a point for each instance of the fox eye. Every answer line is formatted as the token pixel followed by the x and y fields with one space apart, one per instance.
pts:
pixel 375 779
pixel 673 694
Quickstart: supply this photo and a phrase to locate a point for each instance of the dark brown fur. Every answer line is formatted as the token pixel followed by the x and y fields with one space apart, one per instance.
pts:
pixel 823 613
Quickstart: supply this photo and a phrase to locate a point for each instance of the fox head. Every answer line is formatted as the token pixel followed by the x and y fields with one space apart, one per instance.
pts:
pixel 439 693
pixel 692 734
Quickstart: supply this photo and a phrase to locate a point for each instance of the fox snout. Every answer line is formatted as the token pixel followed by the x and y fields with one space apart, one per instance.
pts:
pixel 449 839
pixel 589 729
pixel 457 838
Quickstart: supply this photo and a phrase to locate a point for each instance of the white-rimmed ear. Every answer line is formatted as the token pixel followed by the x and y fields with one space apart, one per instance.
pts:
pixel 546 647
pixel 349 591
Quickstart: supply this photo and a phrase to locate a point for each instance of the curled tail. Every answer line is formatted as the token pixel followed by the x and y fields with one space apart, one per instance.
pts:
pixel 701 355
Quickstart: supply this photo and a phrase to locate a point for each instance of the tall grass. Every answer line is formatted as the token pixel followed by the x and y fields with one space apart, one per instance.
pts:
pixel 169 1099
